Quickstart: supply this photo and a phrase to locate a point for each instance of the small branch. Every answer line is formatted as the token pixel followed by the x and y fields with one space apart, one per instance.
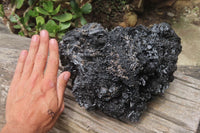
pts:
pixel 140 3
pixel 22 27
pixel 27 10
pixel 13 10
pixel 19 23
pixel 7 18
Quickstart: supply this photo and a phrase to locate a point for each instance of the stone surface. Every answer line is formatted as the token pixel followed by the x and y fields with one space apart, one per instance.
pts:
pixel 3 29
pixel 188 28
pixel 190 35
pixel 119 71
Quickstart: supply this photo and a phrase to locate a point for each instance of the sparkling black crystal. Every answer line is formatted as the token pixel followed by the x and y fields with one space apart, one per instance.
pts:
pixel 119 71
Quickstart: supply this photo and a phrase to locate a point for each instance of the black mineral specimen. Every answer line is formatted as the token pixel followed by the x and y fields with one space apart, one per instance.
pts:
pixel 119 71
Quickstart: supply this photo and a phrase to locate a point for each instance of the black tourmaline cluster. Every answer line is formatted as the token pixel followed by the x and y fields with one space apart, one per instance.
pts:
pixel 119 71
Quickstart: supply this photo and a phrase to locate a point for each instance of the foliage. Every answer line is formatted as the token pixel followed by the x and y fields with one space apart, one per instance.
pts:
pixel 19 3
pixel 1 11
pixel 79 12
pixel 47 14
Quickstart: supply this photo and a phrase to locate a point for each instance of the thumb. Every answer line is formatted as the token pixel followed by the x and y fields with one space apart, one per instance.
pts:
pixel 61 85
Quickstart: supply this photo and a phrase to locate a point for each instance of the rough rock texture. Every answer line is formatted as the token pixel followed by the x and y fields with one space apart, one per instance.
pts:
pixel 119 71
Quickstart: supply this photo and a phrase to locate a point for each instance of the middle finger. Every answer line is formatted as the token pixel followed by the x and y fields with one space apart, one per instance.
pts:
pixel 41 57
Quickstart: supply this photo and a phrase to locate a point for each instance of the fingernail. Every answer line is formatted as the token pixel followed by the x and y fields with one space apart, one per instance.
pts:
pixel 66 76
pixel 34 38
pixel 23 52
pixel 43 32
pixel 52 41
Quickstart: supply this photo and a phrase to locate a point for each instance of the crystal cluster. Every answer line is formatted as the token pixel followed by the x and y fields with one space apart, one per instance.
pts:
pixel 119 71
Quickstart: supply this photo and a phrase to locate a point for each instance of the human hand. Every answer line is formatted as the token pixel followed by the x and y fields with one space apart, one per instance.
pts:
pixel 35 98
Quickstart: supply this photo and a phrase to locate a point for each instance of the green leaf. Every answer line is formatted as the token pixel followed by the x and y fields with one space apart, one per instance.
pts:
pixel 56 10
pixel 2 14
pixel 30 2
pixel 22 20
pixel 38 27
pixel 19 3
pixel 48 6
pixel 42 11
pixel 21 33
pixel 74 6
pixel 33 13
pixel 83 21
pixel 86 9
pixel 60 35
pixel 76 23
pixel 28 28
pixel 64 17
pixel 77 15
pixel 17 26
pixel 51 27
pixel 52 34
pixel 14 18
pixel 31 24
pixel 74 16
pixel 40 20
pixel 64 26
pixel 26 17
pixel 31 33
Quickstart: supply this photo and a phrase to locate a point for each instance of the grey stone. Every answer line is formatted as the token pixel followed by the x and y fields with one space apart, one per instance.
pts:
pixel 170 14
pixel 3 28
pixel 119 71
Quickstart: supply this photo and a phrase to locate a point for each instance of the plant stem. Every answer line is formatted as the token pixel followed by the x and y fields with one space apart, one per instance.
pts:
pixel 13 10
pixel 28 9
pixel 140 3
pixel 22 26
pixel 18 22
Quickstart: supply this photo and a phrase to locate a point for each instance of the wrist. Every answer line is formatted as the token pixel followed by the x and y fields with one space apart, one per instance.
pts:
pixel 16 128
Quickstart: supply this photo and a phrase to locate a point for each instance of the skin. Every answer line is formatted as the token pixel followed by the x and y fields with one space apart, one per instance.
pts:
pixel 35 88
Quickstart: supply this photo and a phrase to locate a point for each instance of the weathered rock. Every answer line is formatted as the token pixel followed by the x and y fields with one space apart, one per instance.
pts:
pixel 170 14
pixel 119 71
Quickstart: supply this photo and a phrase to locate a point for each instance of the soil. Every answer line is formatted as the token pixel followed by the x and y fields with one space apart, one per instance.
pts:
pixel 111 13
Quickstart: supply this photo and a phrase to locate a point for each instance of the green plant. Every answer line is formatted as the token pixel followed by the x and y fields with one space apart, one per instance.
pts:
pixel 46 14
pixel 2 14
pixel 79 12
pixel 55 24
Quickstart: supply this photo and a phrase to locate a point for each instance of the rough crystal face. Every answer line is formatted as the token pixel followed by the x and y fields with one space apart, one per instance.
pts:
pixel 119 71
